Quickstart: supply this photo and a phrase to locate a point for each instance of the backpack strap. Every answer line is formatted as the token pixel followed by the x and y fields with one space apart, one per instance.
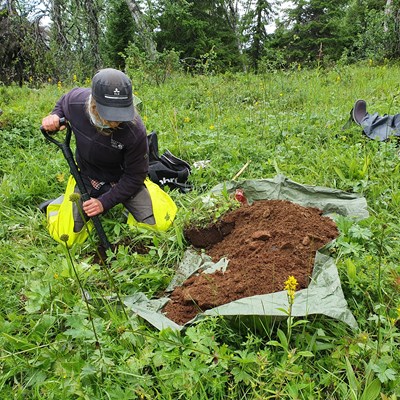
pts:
pixel 170 158
pixel 152 140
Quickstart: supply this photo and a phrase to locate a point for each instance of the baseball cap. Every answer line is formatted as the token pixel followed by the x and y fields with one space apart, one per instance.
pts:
pixel 112 91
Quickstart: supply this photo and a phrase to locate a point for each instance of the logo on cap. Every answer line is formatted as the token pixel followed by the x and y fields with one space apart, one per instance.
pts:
pixel 116 95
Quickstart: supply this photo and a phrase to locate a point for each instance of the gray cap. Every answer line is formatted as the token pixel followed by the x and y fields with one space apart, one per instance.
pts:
pixel 112 91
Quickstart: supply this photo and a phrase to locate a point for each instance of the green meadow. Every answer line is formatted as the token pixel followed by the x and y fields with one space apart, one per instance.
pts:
pixel 53 345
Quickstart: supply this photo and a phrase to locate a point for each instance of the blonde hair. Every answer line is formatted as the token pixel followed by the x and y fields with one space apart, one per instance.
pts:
pixel 106 127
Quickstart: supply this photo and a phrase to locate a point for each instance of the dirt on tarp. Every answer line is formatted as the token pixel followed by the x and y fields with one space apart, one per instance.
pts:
pixel 265 242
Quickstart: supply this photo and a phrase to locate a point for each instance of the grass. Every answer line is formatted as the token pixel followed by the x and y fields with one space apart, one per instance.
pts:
pixel 280 122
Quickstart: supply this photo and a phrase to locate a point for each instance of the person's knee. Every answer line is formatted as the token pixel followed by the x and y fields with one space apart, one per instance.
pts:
pixel 141 207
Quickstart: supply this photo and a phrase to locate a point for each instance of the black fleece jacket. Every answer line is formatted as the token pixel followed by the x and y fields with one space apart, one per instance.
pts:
pixel 121 157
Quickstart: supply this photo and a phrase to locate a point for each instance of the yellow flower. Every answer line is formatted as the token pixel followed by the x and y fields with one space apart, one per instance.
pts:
pixel 186 119
pixel 59 84
pixel 290 287
pixel 145 118
pixel 74 78
pixel 212 127
pixel 363 337
pixel 398 312
pixel 60 177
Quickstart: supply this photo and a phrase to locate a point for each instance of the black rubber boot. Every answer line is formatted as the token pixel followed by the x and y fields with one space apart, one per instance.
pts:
pixel 359 111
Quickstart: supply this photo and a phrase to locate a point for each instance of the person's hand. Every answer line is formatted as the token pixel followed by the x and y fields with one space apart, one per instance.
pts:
pixel 93 207
pixel 51 123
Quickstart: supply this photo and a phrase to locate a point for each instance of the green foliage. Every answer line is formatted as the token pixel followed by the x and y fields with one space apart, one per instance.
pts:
pixel 155 70
pixel 279 121
pixel 201 211
pixel 312 31
pixel 254 24
pixel 21 54
pixel 119 33
pixel 195 28
pixel 206 36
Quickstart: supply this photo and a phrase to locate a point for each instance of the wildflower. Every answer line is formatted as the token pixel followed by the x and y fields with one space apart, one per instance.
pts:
pixel 290 287
pixel 212 127
pixel 201 164
pixel 363 337
pixel 370 62
pixel 145 118
pixel 56 276
pixel 59 84
pixel 87 81
pixel 74 78
pixel 281 94
pixel 338 78
pixel 60 177
pixel 398 312
pixel 74 197
pixel 49 79
pixel 186 119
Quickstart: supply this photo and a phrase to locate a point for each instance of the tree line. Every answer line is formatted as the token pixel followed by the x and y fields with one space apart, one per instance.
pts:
pixel 57 40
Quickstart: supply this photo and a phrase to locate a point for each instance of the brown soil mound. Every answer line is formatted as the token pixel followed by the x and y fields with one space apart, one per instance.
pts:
pixel 265 243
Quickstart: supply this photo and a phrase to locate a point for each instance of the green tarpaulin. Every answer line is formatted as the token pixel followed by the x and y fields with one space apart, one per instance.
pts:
pixel 324 294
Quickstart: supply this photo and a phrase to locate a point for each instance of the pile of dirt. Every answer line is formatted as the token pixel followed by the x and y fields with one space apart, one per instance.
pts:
pixel 265 242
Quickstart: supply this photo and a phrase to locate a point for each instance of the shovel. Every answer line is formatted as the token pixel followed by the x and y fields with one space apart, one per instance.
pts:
pixel 67 152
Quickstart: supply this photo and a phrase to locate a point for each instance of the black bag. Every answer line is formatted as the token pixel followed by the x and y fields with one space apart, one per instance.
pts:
pixel 167 169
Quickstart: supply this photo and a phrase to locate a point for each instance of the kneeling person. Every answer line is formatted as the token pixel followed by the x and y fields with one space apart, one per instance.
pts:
pixel 111 145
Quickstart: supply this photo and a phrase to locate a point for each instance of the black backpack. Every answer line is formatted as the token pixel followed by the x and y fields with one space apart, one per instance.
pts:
pixel 167 169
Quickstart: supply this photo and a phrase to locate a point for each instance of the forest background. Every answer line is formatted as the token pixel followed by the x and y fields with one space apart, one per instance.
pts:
pixel 38 37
